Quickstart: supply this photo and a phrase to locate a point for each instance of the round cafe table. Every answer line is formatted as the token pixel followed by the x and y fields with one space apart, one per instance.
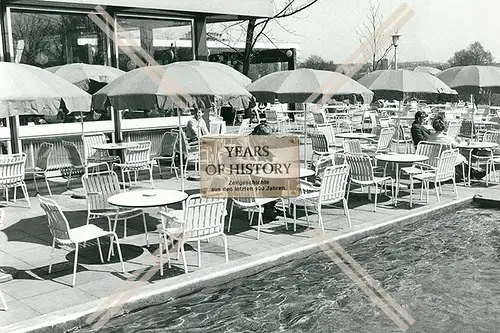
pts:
pixel 398 159
pixel 359 136
pixel 145 199
pixel 112 146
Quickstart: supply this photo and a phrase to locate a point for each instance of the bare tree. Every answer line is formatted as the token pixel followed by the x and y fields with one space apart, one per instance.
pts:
pixel 371 34
pixel 254 30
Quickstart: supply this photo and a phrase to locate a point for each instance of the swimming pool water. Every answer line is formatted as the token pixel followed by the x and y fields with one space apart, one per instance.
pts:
pixel 444 272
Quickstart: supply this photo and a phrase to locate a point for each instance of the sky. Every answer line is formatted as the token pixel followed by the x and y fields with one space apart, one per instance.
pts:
pixel 436 31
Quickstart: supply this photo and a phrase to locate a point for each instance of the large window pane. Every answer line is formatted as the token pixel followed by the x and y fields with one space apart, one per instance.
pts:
pixel 165 40
pixel 51 39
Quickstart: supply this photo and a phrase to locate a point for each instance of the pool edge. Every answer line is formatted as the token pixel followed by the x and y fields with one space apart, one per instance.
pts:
pixel 160 292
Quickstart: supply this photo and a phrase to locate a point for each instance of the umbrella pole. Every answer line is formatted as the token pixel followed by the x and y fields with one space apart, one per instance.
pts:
pixel 181 149
pixel 398 126
pixel 305 135
pixel 79 194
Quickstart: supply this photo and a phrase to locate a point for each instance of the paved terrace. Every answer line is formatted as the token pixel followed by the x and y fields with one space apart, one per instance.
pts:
pixel 25 244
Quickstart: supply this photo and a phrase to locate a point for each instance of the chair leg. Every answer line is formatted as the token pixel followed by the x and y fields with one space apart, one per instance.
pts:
pixel 48 186
pixel 100 250
pixel 4 303
pixel 259 222
pixel 224 240
pixel 183 257
pixel 160 249
pixel 411 191
pixel 25 192
pixel 284 213
pixel 52 255
pixel 199 253
pixel 36 185
pixel 125 229
pixel 75 264
pixel 346 212
pixel 376 196
pixel 230 217
pixel 145 229
pixel 151 176
pixel 69 179
pixel 119 251
pixel 436 188
pixel 455 187
pixel 294 217
pixel 320 219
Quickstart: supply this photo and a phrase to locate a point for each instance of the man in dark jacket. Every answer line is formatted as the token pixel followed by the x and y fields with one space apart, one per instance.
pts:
pixel 418 131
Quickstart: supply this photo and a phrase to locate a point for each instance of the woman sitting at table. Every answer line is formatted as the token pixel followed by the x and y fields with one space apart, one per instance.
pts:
pixel 439 137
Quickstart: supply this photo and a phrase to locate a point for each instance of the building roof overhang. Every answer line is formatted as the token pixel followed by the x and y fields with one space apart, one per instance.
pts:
pixel 213 10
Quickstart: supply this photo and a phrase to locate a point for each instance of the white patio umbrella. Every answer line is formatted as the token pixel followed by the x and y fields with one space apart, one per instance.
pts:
pixel 174 86
pixel 29 90
pixel 306 86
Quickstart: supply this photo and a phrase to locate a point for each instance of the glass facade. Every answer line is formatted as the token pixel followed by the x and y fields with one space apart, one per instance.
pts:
pixel 52 39
pixel 165 40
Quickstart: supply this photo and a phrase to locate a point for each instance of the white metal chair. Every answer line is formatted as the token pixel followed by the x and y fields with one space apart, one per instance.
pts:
pixel 329 132
pixel 383 144
pixel 92 155
pixel 2 299
pixel 190 150
pixel 361 173
pixel 98 188
pixel 64 235
pixel 202 219
pixel 12 172
pixel 78 166
pixel 352 147
pixel 453 128
pixel 137 157
pixel 320 147
pixel 252 204
pixel 331 191
pixel 167 152
pixel 41 165
pixel 494 158
pixel 445 171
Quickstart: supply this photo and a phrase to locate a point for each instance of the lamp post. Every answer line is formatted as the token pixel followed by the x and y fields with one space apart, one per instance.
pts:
pixel 395 43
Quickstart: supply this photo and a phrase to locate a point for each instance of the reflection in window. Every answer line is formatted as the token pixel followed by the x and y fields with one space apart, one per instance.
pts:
pixel 46 40
pixel 166 41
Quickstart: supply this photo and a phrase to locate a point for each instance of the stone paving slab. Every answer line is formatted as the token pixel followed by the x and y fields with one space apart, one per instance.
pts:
pixel 25 243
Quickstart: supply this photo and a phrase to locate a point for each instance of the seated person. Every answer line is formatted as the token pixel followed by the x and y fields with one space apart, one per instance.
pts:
pixel 196 126
pixel 418 131
pixel 439 137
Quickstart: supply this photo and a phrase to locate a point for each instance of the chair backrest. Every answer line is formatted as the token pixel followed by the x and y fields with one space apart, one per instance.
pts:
pixel 58 224
pixel 99 186
pixel 334 184
pixel 329 132
pixel 12 168
pixel 168 144
pixel 384 121
pixel 138 153
pixel 244 126
pixel 73 154
pixel 453 128
pixel 319 142
pixel 215 127
pixel 385 138
pixel 90 140
pixel 446 165
pixel 204 216
pixel 43 155
pixel 361 169
pixel 271 116
pixel 491 136
pixel 319 118
pixel 430 149
pixel 327 161
pixel 467 128
pixel 352 147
